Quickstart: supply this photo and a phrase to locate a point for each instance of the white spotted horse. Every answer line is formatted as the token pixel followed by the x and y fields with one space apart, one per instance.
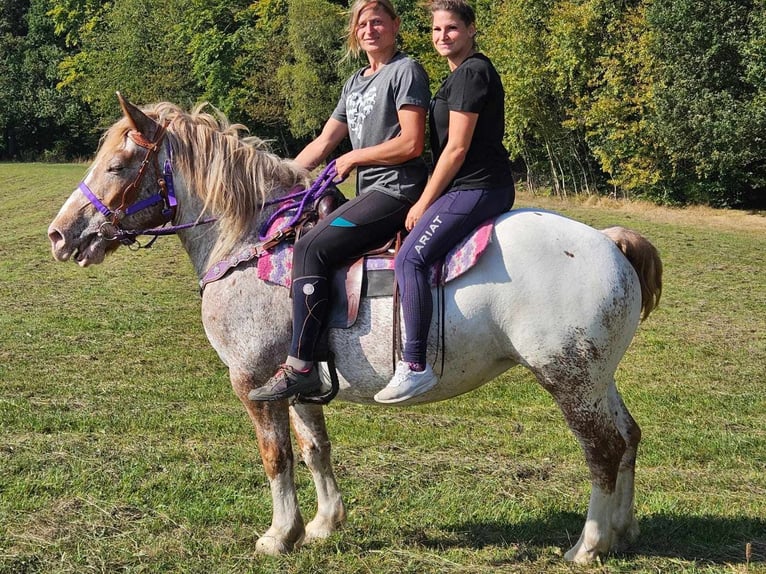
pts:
pixel 549 293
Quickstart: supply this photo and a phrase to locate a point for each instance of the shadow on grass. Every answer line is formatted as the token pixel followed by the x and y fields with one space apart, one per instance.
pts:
pixel 710 539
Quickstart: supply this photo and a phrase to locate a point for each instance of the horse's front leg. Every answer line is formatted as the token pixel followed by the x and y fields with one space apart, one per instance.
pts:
pixel 309 427
pixel 271 421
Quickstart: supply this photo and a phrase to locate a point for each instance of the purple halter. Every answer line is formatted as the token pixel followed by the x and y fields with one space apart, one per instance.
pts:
pixel 167 196
pixel 112 230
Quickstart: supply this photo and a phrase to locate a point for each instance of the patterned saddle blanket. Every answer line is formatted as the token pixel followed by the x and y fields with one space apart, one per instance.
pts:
pixel 277 265
pixel 373 276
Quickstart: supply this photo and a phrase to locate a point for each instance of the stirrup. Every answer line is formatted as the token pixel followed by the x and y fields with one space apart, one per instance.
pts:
pixel 317 397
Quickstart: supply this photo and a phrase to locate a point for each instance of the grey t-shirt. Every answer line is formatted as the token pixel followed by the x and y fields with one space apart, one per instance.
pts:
pixel 369 106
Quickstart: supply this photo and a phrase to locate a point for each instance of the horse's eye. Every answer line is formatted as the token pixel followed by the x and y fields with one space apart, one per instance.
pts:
pixel 115 168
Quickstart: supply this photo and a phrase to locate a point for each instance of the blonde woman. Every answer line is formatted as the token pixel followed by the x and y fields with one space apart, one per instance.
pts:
pixel 382 110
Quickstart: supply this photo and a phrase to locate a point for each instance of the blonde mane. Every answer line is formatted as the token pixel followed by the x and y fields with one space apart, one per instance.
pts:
pixel 233 174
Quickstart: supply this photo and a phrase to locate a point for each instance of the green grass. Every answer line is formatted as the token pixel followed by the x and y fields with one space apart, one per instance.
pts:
pixel 123 448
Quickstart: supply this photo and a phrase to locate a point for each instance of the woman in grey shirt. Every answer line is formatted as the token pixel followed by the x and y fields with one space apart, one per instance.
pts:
pixel 382 110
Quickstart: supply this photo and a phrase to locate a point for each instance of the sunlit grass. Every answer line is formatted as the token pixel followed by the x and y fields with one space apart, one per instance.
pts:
pixel 124 449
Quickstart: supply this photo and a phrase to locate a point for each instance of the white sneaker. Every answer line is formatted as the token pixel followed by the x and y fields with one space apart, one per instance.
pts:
pixel 406 384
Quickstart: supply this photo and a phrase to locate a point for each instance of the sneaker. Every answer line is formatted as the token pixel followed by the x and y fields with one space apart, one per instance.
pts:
pixel 406 384
pixel 285 383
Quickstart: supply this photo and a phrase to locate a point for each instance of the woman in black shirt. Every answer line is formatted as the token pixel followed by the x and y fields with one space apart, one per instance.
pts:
pixel 471 183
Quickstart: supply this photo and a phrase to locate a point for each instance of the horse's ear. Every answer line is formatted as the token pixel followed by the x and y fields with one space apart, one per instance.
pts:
pixel 138 120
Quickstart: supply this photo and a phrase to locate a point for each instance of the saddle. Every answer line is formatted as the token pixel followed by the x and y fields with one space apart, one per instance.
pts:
pixel 372 275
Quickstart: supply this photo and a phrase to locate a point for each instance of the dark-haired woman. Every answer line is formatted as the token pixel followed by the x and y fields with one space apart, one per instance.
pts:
pixel 471 183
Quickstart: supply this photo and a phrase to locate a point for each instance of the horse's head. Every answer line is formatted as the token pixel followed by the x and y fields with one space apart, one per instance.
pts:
pixel 124 190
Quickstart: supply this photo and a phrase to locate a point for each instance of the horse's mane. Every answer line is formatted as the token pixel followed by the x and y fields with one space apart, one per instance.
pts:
pixel 232 173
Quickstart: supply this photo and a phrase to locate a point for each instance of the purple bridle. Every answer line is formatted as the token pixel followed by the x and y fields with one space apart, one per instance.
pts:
pixel 112 230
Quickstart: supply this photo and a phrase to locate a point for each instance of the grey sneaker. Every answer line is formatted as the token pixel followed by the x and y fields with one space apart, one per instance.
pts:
pixel 285 383
pixel 406 384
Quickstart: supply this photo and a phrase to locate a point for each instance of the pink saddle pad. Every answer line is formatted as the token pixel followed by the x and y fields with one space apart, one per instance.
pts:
pixel 276 266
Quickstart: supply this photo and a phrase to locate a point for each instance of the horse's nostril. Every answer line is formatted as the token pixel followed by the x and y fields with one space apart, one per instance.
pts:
pixel 55 236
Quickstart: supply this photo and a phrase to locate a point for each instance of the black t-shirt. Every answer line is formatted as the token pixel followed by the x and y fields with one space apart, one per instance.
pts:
pixel 474 86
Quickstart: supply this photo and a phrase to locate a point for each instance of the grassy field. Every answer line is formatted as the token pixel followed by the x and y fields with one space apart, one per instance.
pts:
pixel 123 449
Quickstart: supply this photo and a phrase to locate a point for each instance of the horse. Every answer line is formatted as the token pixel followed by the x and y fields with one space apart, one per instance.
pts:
pixel 549 293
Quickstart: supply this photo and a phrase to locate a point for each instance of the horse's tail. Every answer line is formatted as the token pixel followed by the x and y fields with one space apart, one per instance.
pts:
pixel 645 260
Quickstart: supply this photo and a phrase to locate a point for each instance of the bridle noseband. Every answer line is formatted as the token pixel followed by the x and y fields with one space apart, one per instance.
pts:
pixel 112 230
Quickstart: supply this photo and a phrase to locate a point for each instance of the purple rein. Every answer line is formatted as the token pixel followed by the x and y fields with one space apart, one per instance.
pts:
pixel 299 200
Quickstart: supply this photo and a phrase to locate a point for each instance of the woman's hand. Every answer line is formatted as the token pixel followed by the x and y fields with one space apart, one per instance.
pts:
pixel 345 164
pixel 414 214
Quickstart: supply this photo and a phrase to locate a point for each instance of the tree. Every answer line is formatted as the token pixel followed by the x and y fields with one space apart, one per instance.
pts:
pixel 259 96
pixel 311 81
pixel 704 98
pixel 133 46
pixel 539 82
pixel 619 109
pixel 754 53
pixel 34 116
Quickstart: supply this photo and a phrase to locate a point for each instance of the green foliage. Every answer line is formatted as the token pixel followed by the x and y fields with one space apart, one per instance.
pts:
pixel 529 42
pixel 213 34
pixel 618 109
pixel 704 99
pixel 77 18
pixel 258 97
pixel 133 47
pixel 311 81
pixel 35 117
pixel 663 99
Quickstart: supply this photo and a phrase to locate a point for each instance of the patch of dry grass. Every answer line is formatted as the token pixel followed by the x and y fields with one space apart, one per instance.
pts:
pixel 694 216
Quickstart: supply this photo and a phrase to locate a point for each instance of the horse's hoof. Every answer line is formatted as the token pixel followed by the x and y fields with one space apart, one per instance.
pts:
pixel 581 553
pixel 319 529
pixel 271 546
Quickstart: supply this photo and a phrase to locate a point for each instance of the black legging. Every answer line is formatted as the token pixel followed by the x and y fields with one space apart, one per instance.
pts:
pixel 362 224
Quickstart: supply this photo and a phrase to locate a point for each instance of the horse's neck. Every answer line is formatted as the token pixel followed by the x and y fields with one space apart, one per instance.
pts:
pixel 199 241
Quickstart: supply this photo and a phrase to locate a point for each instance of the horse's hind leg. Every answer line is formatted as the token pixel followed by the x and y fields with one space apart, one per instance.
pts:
pixel 588 411
pixel 309 427
pixel 272 427
pixel 624 520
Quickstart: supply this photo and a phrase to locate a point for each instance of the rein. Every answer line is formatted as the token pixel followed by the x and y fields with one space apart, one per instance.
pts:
pixel 300 199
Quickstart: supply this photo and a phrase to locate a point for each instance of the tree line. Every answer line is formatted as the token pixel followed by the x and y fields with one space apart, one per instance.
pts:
pixel 659 99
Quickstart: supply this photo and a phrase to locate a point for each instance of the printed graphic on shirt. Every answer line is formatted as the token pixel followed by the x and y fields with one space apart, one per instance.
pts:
pixel 358 107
